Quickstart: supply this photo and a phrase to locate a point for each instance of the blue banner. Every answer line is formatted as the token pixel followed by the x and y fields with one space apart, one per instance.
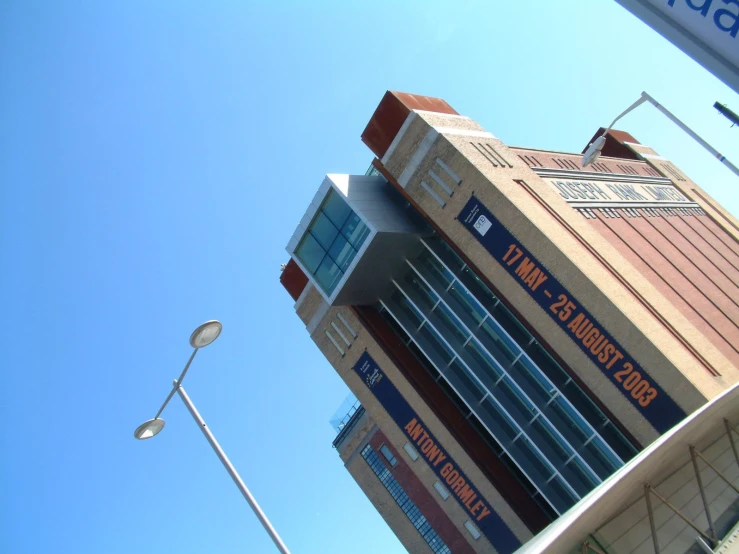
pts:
pixel 559 304
pixel 461 488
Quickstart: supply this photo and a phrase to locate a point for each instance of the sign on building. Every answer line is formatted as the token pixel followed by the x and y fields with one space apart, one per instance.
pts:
pixel 706 30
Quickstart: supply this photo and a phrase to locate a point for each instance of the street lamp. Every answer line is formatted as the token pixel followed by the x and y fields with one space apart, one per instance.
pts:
pixel 200 338
pixel 592 152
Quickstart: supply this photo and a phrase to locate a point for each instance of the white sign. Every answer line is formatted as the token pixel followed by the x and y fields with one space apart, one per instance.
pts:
pixel 705 29
pixel 483 225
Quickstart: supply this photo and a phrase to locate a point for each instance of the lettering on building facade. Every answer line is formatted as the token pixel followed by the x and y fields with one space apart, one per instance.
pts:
pixel 436 456
pixel 561 305
pixel 596 193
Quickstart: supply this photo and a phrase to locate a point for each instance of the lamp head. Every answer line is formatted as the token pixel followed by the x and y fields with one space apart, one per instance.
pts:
pixel 148 429
pixel 205 333
pixel 592 153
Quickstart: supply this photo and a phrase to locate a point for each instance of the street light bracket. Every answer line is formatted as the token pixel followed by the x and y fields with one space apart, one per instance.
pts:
pixel 593 151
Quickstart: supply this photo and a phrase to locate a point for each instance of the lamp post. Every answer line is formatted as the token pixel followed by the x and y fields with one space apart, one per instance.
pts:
pixel 594 148
pixel 200 338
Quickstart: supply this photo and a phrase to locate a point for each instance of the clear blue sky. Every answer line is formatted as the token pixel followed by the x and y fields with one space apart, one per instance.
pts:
pixel 155 159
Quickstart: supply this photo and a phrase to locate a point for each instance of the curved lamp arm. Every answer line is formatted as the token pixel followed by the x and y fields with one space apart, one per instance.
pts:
pixel 594 148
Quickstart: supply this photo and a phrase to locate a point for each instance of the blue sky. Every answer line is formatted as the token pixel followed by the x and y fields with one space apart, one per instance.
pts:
pixel 155 159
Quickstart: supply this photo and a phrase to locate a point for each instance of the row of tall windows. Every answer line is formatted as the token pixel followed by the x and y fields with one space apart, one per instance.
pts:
pixel 542 425
pixel 409 508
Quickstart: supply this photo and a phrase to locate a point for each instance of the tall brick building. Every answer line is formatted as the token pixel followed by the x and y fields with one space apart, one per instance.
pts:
pixel 516 327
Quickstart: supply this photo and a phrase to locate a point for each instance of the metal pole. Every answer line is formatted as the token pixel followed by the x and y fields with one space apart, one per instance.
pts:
pixel 703 546
pixel 588 547
pixel 709 464
pixel 703 493
pixel 623 113
pixel 729 431
pixel 231 470
pixel 679 514
pixel 647 488
pixel 688 130
pixel 174 388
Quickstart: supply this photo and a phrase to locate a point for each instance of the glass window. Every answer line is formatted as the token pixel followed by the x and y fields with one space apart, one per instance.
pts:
pixel 373 171
pixel 454 397
pixel 407 310
pixel 513 468
pixel 530 378
pixel 579 477
pixel 435 269
pixel 441 490
pixel 354 230
pixel 446 254
pixel 323 230
pixel 388 455
pixel 399 332
pixel 467 304
pixel 583 404
pixel 542 435
pixel 342 252
pixel 460 375
pixel 472 529
pixel 598 458
pixel 500 424
pixel 513 402
pixel 545 362
pixel 435 348
pixel 620 444
pixel 412 452
pixel 489 439
pixel 323 237
pixel 559 495
pixel 509 322
pixel 569 422
pixel 336 209
pixel 544 504
pixel 485 362
pixel 498 344
pixel 417 290
pixel 328 275
pixel 478 289
pixel 415 516
pixel 448 324
pixel 532 463
pixel 310 253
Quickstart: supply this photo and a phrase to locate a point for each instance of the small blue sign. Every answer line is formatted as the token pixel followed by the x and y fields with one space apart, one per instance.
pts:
pixel 477 507
pixel 592 338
